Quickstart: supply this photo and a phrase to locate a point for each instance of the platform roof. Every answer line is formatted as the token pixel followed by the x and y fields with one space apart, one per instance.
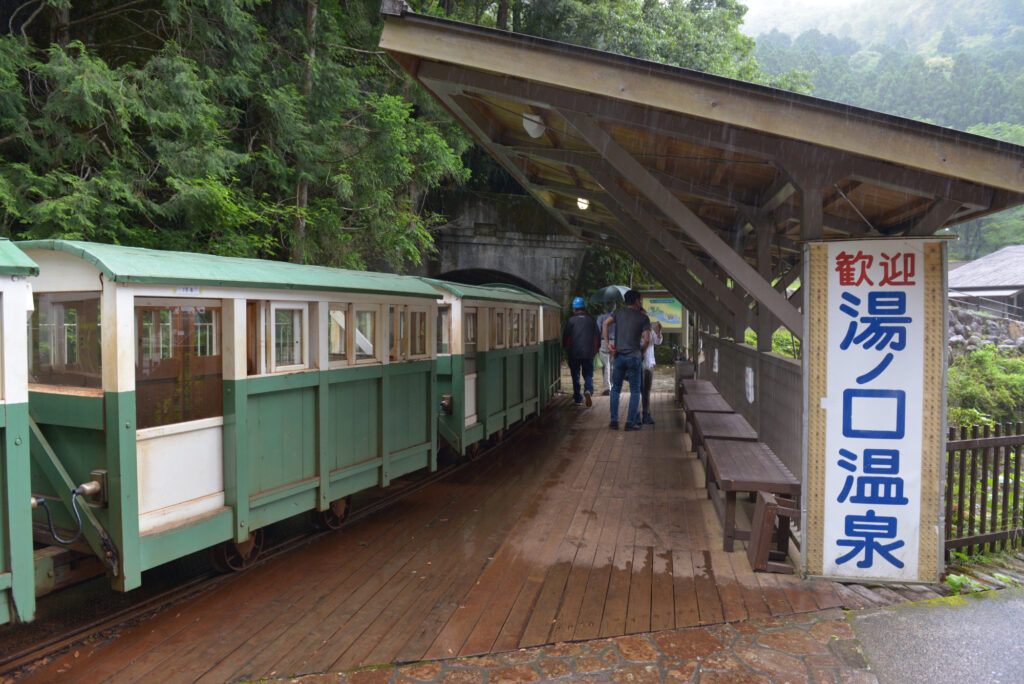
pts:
pixel 712 183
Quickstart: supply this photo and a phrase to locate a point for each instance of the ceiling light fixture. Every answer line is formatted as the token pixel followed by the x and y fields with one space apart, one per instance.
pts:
pixel 533 124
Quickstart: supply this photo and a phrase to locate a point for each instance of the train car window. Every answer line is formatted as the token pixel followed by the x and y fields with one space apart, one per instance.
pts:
pixel 418 334
pixel 178 363
pixel 253 356
pixel 444 332
pixel 398 334
pixel 290 346
pixel 64 340
pixel 469 340
pixel 498 330
pixel 365 335
pixel 515 327
pixel 531 327
pixel 337 332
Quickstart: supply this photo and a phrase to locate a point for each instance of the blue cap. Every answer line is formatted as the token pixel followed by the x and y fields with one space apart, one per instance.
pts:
pixel 578 303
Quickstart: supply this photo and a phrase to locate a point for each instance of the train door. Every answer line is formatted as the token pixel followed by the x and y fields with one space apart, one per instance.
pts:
pixel 469 344
pixel 178 366
pixel 179 410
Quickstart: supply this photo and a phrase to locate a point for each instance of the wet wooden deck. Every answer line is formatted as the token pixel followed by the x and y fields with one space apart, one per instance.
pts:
pixel 568 531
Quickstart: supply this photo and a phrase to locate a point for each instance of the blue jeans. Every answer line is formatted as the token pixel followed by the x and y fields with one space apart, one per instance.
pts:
pixel 587 367
pixel 626 368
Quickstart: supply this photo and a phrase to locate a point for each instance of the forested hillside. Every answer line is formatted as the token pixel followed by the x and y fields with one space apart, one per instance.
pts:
pixel 273 129
pixel 278 129
pixel 964 71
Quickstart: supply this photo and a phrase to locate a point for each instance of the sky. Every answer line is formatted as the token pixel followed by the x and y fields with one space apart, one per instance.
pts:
pixel 790 16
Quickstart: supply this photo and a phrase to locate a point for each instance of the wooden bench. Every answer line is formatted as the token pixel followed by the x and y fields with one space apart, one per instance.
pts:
pixel 729 426
pixel 743 466
pixel 698 387
pixel 708 403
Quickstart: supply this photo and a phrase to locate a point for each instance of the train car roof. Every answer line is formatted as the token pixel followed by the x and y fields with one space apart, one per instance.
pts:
pixel 15 262
pixel 139 265
pixel 539 298
pixel 491 293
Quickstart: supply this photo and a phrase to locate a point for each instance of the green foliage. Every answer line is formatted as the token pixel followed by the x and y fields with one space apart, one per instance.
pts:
pixel 963 584
pixel 783 342
pixel 988 383
pixel 959 415
pixel 232 127
pixel 605 266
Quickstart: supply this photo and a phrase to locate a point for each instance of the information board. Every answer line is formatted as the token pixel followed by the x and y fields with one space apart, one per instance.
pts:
pixel 666 310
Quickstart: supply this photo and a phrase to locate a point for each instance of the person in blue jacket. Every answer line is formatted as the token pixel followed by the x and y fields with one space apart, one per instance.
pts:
pixel 581 339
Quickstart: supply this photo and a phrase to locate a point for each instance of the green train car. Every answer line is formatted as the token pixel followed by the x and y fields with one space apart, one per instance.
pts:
pixel 493 366
pixel 17 586
pixel 178 402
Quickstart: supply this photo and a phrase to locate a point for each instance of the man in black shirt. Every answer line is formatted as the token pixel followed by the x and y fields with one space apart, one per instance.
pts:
pixel 581 338
pixel 632 335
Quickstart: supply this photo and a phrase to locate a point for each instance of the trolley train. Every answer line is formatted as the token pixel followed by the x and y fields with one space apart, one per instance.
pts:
pixel 160 403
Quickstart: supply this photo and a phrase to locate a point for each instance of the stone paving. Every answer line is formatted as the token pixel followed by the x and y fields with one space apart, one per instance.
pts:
pixel 813 648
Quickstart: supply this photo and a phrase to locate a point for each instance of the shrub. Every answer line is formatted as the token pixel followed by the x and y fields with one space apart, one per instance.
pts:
pixel 988 383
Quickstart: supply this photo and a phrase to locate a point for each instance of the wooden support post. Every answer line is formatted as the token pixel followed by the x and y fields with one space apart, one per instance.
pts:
pixel 765 321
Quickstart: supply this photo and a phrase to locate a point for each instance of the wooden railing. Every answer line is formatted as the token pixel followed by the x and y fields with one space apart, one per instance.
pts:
pixel 984 511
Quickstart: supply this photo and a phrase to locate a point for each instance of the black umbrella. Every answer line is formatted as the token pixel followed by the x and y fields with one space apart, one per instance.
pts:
pixel 609 294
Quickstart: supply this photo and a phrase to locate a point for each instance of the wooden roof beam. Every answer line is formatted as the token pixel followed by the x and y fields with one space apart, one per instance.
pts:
pixel 678 280
pixel 737 268
pixel 935 218
pixel 650 225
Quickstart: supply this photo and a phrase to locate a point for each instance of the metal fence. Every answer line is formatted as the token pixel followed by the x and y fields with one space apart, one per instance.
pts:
pixel 984 511
pixel 997 307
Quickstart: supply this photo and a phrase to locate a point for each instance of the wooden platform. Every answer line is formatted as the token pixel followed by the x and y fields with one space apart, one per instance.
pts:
pixel 570 531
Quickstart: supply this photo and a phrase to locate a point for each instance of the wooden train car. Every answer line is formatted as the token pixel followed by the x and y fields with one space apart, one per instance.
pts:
pixel 213 396
pixel 178 402
pixel 17 587
pixel 492 369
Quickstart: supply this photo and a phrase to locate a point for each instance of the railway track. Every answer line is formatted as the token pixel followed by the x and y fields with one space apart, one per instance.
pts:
pixel 33 650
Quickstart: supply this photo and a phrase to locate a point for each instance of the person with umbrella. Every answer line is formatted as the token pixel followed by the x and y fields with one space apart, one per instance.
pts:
pixel 605 350
pixel 581 338
pixel 632 337
pixel 607 295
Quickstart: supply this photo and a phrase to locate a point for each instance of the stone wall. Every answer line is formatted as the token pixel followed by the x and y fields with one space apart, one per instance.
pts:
pixel 970 330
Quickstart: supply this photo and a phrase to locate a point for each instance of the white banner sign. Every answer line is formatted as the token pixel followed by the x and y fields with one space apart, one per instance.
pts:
pixel 874 405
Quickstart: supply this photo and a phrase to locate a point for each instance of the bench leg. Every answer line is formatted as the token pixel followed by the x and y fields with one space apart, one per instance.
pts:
pixel 729 526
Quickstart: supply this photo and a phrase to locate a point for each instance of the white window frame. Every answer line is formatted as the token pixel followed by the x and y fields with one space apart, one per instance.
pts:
pixel 427 328
pixel 375 309
pixel 451 329
pixel 515 340
pixel 348 309
pixel 303 309
pixel 215 332
pixel 503 341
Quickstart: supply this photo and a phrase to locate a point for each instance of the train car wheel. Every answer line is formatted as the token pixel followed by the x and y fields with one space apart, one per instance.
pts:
pixel 230 556
pixel 335 515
